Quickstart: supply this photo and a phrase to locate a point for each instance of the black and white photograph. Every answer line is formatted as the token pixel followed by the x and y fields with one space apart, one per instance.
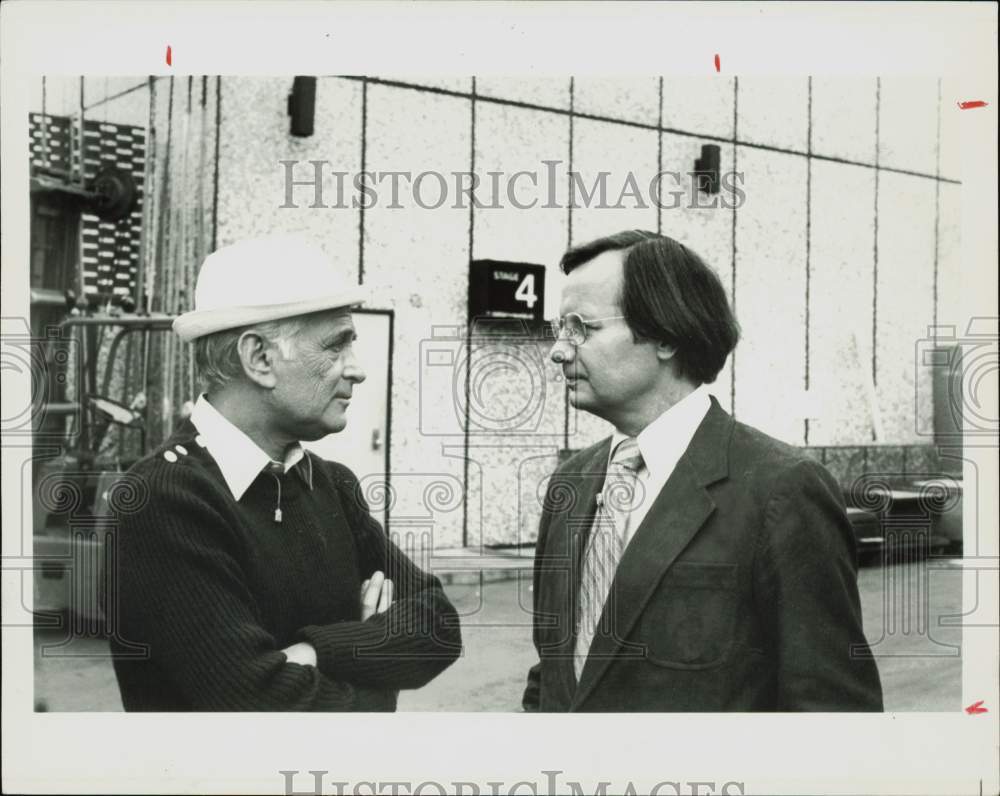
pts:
pixel 483 397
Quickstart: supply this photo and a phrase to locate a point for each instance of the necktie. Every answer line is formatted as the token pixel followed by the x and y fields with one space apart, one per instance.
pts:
pixel 605 544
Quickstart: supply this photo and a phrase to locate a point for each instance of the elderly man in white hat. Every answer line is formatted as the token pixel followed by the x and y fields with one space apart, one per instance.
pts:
pixel 254 574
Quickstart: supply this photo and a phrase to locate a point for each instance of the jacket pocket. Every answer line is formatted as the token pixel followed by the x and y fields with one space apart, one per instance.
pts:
pixel 689 623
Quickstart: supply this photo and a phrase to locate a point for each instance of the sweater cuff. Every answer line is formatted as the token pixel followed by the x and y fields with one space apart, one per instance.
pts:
pixel 339 646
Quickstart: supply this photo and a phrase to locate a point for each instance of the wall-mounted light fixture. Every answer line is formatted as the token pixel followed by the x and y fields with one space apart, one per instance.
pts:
pixel 706 168
pixel 302 106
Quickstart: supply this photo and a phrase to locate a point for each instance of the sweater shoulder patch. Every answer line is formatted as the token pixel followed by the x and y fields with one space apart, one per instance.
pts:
pixel 175 454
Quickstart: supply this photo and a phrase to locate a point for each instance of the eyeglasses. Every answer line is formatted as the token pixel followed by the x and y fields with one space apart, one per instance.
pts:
pixel 573 327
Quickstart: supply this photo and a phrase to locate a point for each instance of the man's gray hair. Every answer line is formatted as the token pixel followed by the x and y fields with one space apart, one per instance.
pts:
pixel 217 356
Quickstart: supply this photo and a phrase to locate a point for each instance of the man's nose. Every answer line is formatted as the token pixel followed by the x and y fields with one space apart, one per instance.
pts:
pixel 352 370
pixel 562 351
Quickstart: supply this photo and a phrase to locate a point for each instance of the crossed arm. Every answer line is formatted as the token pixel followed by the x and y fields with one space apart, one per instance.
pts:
pixel 376 597
pixel 183 592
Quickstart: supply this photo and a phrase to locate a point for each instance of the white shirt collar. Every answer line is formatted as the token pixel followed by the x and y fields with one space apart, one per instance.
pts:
pixel 239 458
pixel 663 442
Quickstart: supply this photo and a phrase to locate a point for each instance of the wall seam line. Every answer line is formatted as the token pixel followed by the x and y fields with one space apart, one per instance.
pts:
pixel 937 211
pixel 732 370
pixel 215 180
pixel 878 112
pixel 659 157
pixel 569 240
pixel 805 420
pixel 468 327
pixel 364 165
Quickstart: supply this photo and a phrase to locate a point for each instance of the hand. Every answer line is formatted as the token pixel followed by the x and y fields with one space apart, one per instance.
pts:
pixel 303 653
pixel 376 595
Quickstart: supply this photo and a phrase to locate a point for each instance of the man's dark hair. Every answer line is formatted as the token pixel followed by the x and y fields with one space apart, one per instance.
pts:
pixel 672 296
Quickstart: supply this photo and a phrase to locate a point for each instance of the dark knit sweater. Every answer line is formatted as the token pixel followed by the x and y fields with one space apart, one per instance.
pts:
pixel 215 588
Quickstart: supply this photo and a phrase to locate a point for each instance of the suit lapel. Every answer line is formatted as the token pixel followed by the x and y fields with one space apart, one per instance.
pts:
pixel 573 497
pixel 676 516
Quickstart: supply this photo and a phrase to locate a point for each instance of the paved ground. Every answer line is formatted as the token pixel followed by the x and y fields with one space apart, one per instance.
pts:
pixel 918 659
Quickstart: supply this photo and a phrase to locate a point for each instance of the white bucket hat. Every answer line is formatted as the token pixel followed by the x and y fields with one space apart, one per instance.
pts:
pixel 264 279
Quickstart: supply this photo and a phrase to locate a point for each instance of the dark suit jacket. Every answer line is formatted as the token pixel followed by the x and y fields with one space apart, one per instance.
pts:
pixel 737 592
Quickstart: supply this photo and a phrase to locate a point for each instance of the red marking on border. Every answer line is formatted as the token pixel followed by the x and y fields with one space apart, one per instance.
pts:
pixel 972 104
pixel 170 59
pixel 976 707
pixel 716 62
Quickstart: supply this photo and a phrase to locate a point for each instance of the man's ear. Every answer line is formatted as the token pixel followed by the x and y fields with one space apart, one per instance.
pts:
pixel 665 352
pixel 257 357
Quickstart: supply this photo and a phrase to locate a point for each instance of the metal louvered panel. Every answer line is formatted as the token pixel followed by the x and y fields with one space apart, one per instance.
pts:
pixel 110 249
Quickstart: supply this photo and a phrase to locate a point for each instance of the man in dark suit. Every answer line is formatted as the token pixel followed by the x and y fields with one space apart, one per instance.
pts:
pixel 689 562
